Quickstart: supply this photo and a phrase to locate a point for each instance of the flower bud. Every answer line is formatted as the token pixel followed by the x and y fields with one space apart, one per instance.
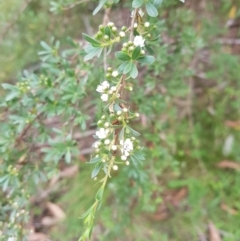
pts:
pixel 107 142
pixel 110 24
pixel 106 37
pixel 122 34
pixel 131 48
pixel 114 147
pixel 135 25
pixel 146 25
pixel 114 29
pixel 119 112
pixel 125 110
pixel 127 163
pixel 115 167
pixel 123 158
pixel 136 115
pixel 106 124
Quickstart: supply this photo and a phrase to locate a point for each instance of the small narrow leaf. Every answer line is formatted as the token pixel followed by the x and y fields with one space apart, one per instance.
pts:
pixel 157 3
pixel 99 194
pixel 46 46
pixel 68 156
pixel 122 56
pixel 94 52
pixel 137 3
pixel 91 40
pixel 134 72
pixel 95 160
pixel 136 52
pixel 122 67
pixel 149 49
pixel 96 170
pixel 128 67
pixel 100 5
pixel 148 59
pixel 151 10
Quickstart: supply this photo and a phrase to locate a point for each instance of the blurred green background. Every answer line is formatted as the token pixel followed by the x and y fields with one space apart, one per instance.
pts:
pixel 188 186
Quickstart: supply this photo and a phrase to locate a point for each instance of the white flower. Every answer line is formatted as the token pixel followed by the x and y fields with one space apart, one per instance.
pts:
pixel 127 163
pixel 103 86
pixel 140 12
pixel 119 112
pixel 127 146
pixel 122 34
pixel 102 133
pixel 115 73
pixel 104 97
pixel 135 25
pixel 183 1
pixel 139 41
pixel 137 115
pixel 115 167
pixel 125 110
pixel 146 25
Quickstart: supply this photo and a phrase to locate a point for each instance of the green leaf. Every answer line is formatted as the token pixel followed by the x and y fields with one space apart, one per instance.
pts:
pixel 68 156
pixel 134 72
pixel 148 59
pixel 149 49
pixel 134 133
pixel 91 40
pixel 136 52
pixel 122 67
pixel 100 5
pixel 99 193
pixel 122 56
pixel 151 10
pixel 86 213
pixel 157 3
pixel 95 160
pixel 95 51
pixel 46 46
pixel 128 67
pixel 96 170
pixel 137 3
pixel 116 107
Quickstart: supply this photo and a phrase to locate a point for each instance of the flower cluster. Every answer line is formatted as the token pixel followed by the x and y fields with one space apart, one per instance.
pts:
pixel 106 91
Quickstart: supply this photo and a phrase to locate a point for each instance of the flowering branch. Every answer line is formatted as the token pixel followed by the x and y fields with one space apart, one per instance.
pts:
pixel 116 141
